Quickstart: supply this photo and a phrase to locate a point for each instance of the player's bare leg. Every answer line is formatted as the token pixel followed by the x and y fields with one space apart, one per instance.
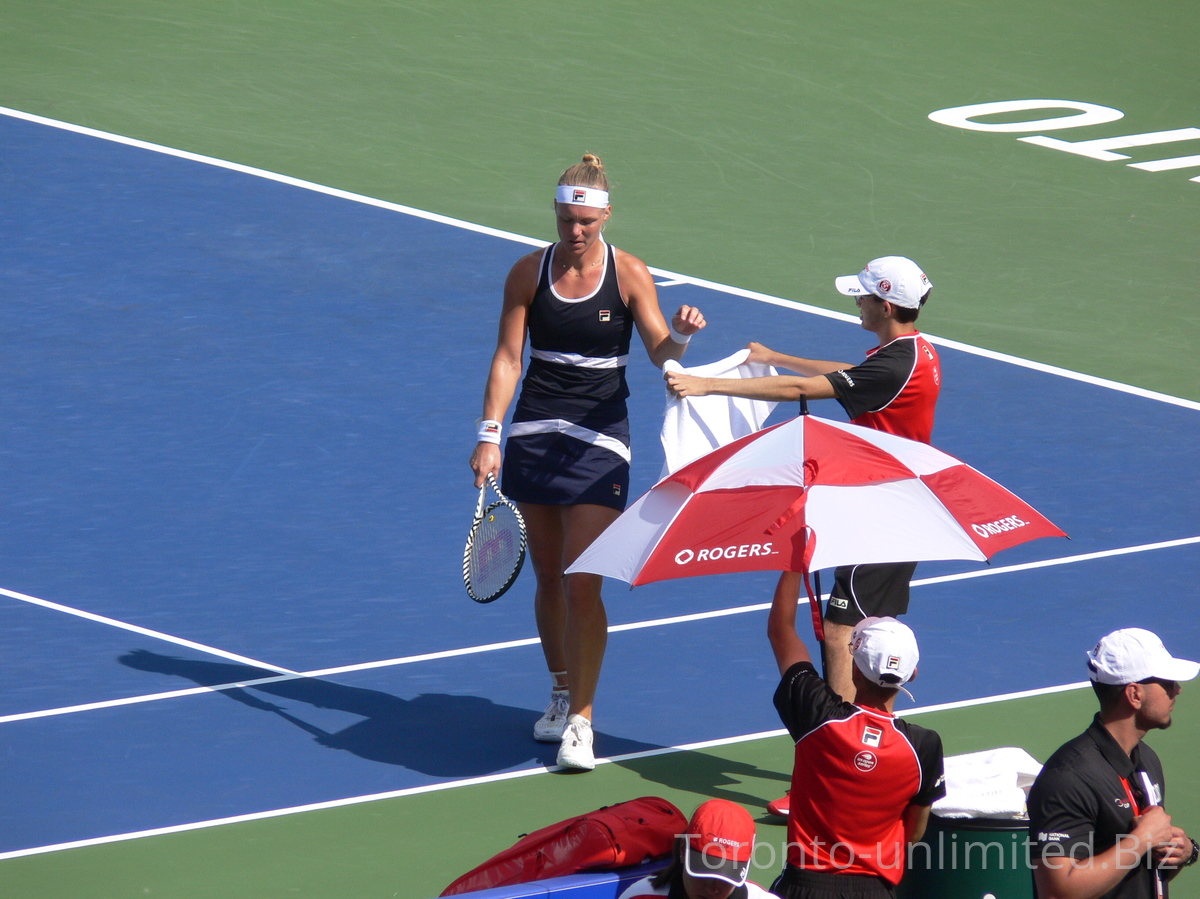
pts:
pixel 586 635
pixel 544 525
pixel 587 621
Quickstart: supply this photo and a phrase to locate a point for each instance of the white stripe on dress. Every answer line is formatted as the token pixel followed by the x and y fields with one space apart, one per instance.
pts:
pixel 580 361
pixel 559 426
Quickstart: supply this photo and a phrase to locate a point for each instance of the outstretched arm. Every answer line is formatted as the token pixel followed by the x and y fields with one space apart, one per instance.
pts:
pixel 806 367
pixel 778 388
pixel 781 623
pixel 809 383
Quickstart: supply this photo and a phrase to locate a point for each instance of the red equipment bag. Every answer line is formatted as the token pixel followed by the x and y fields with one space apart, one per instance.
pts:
pixel 614 836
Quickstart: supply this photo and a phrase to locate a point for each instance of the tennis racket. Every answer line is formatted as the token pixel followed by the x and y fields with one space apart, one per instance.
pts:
pixel 495 547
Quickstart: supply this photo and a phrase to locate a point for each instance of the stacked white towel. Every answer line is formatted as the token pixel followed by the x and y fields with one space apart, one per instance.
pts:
pixel 697 425
pixel 990 784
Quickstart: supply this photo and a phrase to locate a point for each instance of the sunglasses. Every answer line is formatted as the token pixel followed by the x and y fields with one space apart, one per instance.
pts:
pixel 1169 685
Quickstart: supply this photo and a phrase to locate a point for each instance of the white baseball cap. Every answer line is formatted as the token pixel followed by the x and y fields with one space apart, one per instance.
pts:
pixel 885 651
pixel 1133 654
pixel 896 279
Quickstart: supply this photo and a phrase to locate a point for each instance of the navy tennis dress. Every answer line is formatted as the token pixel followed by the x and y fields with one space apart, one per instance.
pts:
pixel 569 438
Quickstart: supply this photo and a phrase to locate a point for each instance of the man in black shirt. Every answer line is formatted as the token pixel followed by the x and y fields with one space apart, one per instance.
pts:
pixel 1097 825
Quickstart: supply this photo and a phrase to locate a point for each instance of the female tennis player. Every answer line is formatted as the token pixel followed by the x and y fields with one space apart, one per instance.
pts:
pixel 566 461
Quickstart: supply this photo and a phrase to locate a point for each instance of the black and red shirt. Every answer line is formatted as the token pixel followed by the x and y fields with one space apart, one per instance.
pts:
pixel 856 771
pixel 895 389
pixel 1086 798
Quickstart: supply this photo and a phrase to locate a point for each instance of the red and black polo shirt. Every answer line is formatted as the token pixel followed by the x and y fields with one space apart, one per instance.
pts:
pixel 895 389
pixel 856 771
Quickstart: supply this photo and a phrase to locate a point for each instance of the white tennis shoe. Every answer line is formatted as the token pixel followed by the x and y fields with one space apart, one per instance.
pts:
pixel 576 748
pixel 549 728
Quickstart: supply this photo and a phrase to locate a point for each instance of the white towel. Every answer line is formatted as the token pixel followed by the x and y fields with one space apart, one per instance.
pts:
pixel 697 425
pixel 990 784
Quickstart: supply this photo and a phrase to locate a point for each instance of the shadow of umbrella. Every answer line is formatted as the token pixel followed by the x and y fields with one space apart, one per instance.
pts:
pixel 707 773
pixel 438 734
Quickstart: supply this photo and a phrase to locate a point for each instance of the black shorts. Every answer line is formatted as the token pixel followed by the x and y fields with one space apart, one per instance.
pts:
pixel 557 470
pixel 861 591
pixel 798 883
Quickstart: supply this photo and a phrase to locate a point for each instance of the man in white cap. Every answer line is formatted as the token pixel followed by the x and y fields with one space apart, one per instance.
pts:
pixel 1097 826
pixel 894 390
pixel 863 780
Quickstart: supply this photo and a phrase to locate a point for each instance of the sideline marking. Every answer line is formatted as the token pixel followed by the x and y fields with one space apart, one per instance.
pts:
pixel 673 278
pixel 486 779
pixel 144 631
pixel 287 675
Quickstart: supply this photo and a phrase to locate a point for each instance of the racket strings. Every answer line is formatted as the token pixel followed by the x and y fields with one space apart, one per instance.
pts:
pixel 495 551
pixel 497 548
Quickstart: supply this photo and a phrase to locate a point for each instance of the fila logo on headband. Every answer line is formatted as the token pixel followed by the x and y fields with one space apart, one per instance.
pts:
pixel 581 196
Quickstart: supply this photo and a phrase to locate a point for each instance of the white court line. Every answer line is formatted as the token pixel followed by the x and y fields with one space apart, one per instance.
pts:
pixel 671 278
pixel 490 778
pixel 262 681
pixel 158 635
pixel 533 641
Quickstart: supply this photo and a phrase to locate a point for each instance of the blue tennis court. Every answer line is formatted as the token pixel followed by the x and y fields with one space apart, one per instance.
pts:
pixel 238 413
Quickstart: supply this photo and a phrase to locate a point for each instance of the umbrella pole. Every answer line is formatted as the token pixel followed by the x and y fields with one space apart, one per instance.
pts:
pixel 817 627
pixel 814 599
pixel 819 614
pixel 814 606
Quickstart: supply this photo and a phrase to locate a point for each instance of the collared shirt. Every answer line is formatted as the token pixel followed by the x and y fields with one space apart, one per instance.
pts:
pixel 1087 796
pixel 856 770
pixel 895 389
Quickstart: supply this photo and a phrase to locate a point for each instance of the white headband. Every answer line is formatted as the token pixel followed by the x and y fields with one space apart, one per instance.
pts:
pixel 581 196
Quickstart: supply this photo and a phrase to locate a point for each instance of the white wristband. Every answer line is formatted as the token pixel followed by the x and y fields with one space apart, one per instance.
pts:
pixel 677 337
pixel 489 431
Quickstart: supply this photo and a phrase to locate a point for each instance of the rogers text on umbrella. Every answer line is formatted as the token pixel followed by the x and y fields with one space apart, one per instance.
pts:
pixel 999 527
pixel 715 554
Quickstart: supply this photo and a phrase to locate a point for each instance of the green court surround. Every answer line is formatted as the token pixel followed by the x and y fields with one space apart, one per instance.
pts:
pixel 413 846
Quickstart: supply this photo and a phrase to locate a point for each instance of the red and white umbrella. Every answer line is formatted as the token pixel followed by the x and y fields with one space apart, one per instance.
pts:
pixel 811 494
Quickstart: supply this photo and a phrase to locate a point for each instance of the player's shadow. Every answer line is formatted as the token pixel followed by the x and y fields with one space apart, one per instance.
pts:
pixel 434 733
